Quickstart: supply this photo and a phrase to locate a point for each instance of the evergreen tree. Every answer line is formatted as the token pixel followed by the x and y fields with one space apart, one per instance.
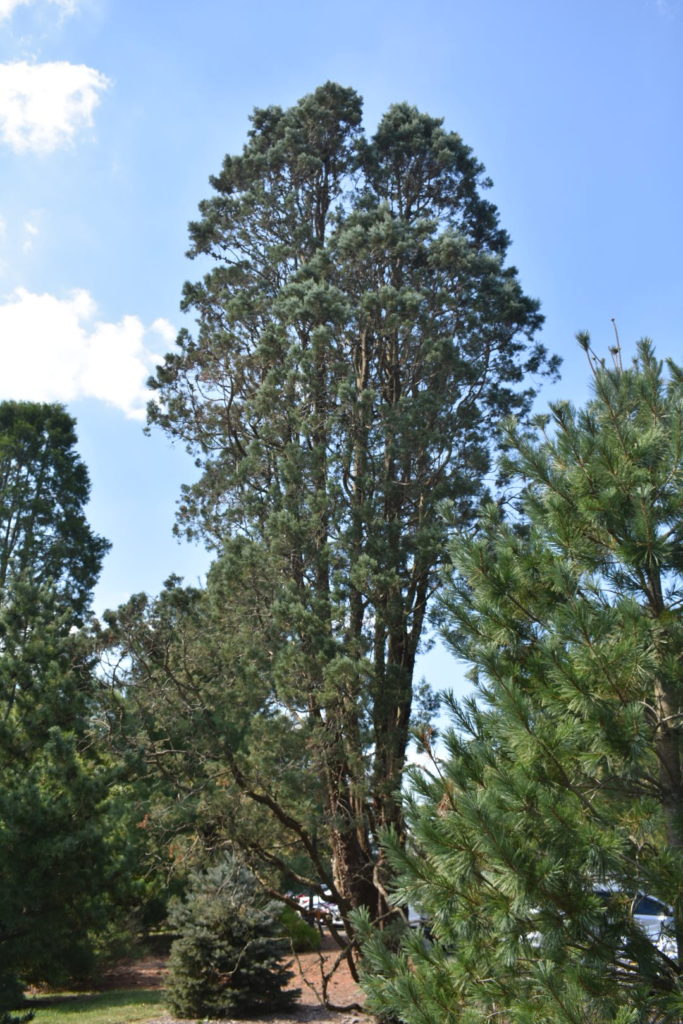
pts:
pixel 53 855
pixel 44 488
pixel 228 959
pixel 220 761
pixel 560 802
pixel 54 860
pixel 359 339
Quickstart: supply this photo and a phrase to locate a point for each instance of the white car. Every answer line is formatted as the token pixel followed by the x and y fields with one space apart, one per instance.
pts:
pixel 319 909
pixel 652 916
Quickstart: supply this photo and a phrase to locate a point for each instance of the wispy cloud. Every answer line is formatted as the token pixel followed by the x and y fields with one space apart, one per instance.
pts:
pixel 43 106
pixel 55 349
pixel 8 7
pixel 30 232
pixel 668 8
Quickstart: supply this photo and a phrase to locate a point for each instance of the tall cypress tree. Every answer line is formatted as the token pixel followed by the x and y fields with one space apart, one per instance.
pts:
pixel 560 802
pixel 359 338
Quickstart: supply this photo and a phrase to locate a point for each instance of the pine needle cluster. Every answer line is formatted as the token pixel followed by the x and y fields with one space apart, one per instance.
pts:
pixel 560 802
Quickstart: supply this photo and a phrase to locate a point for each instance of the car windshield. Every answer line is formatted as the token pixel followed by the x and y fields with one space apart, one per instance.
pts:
pixel 648 906
pixel 643 905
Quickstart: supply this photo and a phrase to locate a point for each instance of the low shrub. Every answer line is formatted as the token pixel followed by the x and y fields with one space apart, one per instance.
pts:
pixel 228 959
pixel 11 998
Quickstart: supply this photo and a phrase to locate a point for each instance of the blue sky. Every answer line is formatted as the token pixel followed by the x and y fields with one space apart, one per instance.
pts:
pixel 113 115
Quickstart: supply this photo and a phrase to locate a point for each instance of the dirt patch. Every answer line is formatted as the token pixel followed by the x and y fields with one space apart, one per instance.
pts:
pixel 308 967
pixel 150 972
pixel 146 972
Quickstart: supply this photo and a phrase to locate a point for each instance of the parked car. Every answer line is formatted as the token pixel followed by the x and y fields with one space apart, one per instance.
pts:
pixel 319 910
pixel 651 915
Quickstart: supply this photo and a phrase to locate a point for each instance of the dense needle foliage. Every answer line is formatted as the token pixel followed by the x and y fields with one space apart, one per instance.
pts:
pixel 359 338
pixel 54 860
pixel 564 777
pixel 228 959
pixel 44 488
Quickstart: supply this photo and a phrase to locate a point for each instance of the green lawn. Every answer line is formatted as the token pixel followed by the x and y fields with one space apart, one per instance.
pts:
pixel 123 1006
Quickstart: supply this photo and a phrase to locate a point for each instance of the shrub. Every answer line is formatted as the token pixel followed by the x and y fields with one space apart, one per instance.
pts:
pixel 11 998
pixel 228 958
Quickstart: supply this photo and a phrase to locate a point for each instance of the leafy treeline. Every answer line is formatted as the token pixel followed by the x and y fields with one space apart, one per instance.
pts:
pixel 561 800
pixel 360 337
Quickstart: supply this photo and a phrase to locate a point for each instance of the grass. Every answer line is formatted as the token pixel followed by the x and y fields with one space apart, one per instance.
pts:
pixel 121 1006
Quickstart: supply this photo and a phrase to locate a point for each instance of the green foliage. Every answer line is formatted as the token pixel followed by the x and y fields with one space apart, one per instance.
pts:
pixel 54 862
pixel 211 750
pixel 359 339
pixel 228 959
pixel 8 1017
pixel 44 488
pixel 566 772
pixel 53 854
pixel 11 997
pixel 304 938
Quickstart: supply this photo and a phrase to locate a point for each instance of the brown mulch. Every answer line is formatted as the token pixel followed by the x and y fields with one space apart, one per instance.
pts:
pixel 150 972
pixel 147 972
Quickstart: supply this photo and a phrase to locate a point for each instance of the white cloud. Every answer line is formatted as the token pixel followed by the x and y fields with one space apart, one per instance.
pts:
pixel 165 329
pixel 42 106
pixel 54 350
pixel 30 232
pixel 8 7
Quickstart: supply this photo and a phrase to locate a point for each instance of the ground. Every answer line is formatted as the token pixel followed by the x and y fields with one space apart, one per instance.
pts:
pixel 150 972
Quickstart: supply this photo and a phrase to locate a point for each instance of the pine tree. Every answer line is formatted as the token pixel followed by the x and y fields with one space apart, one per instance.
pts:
pixel 561 799
pixel 53 786
pixel 359 338
pixel 223 762
pixel 44 488
pixel 228 959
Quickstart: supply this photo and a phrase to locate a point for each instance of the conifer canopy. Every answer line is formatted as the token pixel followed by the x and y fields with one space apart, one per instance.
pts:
pixel 560 801
pixel 359 338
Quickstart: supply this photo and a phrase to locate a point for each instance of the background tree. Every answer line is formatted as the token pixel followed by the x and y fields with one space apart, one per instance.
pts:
pixel 44 488
pixel 54 858
pixel 563 776
pixel 52 850
pixel 359 339
pixel 220 760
